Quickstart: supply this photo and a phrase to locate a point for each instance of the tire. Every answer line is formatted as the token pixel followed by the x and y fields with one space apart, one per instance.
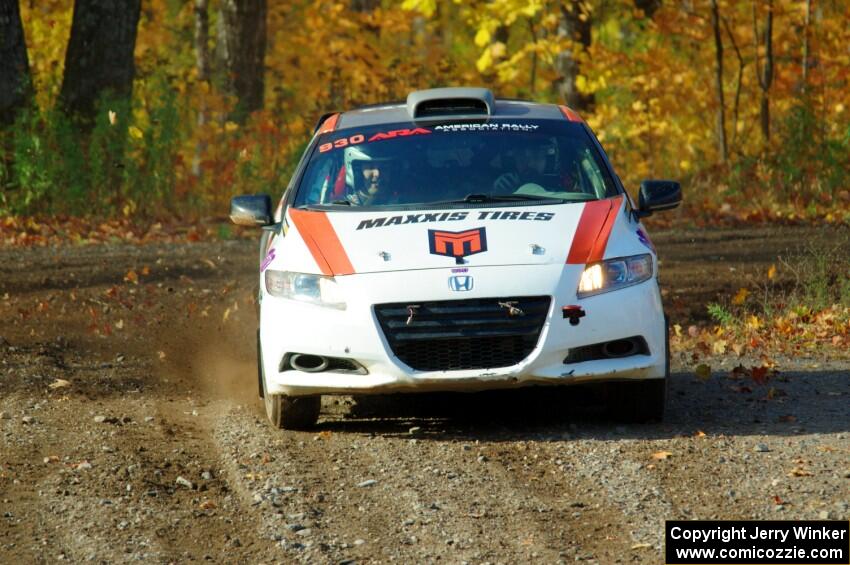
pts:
pixel 644 401
pixel 260 367
pixel 287 412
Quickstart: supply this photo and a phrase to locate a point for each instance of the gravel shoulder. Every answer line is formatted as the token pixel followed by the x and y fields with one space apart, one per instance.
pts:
pixel 130 430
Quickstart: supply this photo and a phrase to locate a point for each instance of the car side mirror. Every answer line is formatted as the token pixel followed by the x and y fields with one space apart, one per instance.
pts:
pixel 251 210
pixel 658 195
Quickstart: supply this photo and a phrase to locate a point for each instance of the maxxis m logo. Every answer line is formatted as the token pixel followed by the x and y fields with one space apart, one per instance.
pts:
pixel 457 244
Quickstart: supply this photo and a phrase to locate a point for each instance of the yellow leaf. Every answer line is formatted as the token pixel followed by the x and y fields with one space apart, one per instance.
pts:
pixel 753 322
pixel 485 61
pixel 741 296
pixel 661 455
pixel 425 7
pixel 135 132
pixel 677 329
pixel 719 347
pixel 482 38
pixel 230 127
pixel 703 372
pixel 226 315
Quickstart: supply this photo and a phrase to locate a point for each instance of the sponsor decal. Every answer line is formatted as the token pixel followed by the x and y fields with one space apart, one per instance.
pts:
pixel 360 138
pixel 457 244
pixel 487 127
pixel 460 270
pixel 386 221
pixel 267 261
pixel 644 239
pixel 461 283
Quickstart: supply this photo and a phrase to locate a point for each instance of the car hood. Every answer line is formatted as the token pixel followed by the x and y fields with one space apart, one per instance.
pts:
pixel 347 242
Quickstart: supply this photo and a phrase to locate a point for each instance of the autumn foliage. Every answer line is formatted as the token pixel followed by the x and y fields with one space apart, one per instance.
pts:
pixel 646 74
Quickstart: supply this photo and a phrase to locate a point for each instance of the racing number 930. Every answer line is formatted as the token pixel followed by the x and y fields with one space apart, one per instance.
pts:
pixel 343 142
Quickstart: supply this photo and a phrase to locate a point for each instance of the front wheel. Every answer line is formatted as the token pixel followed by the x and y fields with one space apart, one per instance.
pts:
pixel 292 412
pixel 287 412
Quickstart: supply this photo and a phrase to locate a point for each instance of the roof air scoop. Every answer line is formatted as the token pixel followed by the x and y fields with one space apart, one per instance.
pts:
pixel 450 104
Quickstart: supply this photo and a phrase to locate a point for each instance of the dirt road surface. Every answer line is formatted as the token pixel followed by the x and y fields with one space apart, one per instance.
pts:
pixel 130 430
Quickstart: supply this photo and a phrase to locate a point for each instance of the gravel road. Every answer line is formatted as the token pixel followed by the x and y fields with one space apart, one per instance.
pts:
pixel 130 430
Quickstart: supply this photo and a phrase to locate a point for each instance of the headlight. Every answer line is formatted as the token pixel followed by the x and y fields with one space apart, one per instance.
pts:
pixel 613 274
pixel 314 289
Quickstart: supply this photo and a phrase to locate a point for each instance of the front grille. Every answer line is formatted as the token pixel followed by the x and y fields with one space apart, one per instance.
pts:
pixel 453 335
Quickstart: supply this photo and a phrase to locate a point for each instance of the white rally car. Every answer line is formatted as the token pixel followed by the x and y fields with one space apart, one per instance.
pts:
pixel 456 242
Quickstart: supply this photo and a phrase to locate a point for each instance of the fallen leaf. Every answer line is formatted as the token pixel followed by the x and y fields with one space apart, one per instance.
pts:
pixel 760 375
pixel 161 355
pixel 226 315
pixel 146 270
pixel 693 331
pixel 699 433
pixel 207 505
pixel 209 262
pixel 703 372
pixel 771 272
pixel 661 455
pixel 51 459
pixel 800 472
pixel 740 296
pixel 131 277
pixel 788 419
pixel 777 500
pixel 59 383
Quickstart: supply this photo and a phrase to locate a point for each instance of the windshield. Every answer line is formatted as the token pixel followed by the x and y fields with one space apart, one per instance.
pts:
pixel 501 161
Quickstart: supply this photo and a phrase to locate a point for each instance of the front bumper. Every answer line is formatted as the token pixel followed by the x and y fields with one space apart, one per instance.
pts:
pixel 288 326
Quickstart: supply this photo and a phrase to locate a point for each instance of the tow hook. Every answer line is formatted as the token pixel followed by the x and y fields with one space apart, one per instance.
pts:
pixel 573 313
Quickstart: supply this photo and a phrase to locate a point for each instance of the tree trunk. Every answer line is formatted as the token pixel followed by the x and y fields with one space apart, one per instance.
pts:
pixel 806 44
pixel 202 62
pixel 576 28
pixel 718 79
pixel 15 84
pixel 649 7
pixel 241 52
pixel 99 59
pixel 364 5
pixel 202 39
pixel 765 75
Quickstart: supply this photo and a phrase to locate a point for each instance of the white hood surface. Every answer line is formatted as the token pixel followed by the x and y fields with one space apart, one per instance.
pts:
pixel 348 242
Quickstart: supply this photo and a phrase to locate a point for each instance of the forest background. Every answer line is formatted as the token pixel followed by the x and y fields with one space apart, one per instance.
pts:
pixel 164 109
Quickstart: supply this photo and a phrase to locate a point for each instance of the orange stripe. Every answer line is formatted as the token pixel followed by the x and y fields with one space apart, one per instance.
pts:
pixel 591 221
pixel 597 252
pixel 570 114
pixel 329 124
pixel 321 239
pixel 593 231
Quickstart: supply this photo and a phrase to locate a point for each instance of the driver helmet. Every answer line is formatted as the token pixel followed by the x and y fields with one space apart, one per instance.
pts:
pixel 356 157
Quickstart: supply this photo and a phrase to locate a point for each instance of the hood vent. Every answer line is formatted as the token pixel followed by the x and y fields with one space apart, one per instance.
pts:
pixel 450 103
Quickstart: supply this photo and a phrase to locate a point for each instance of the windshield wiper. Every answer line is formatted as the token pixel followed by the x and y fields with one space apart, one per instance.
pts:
pixel 483 198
